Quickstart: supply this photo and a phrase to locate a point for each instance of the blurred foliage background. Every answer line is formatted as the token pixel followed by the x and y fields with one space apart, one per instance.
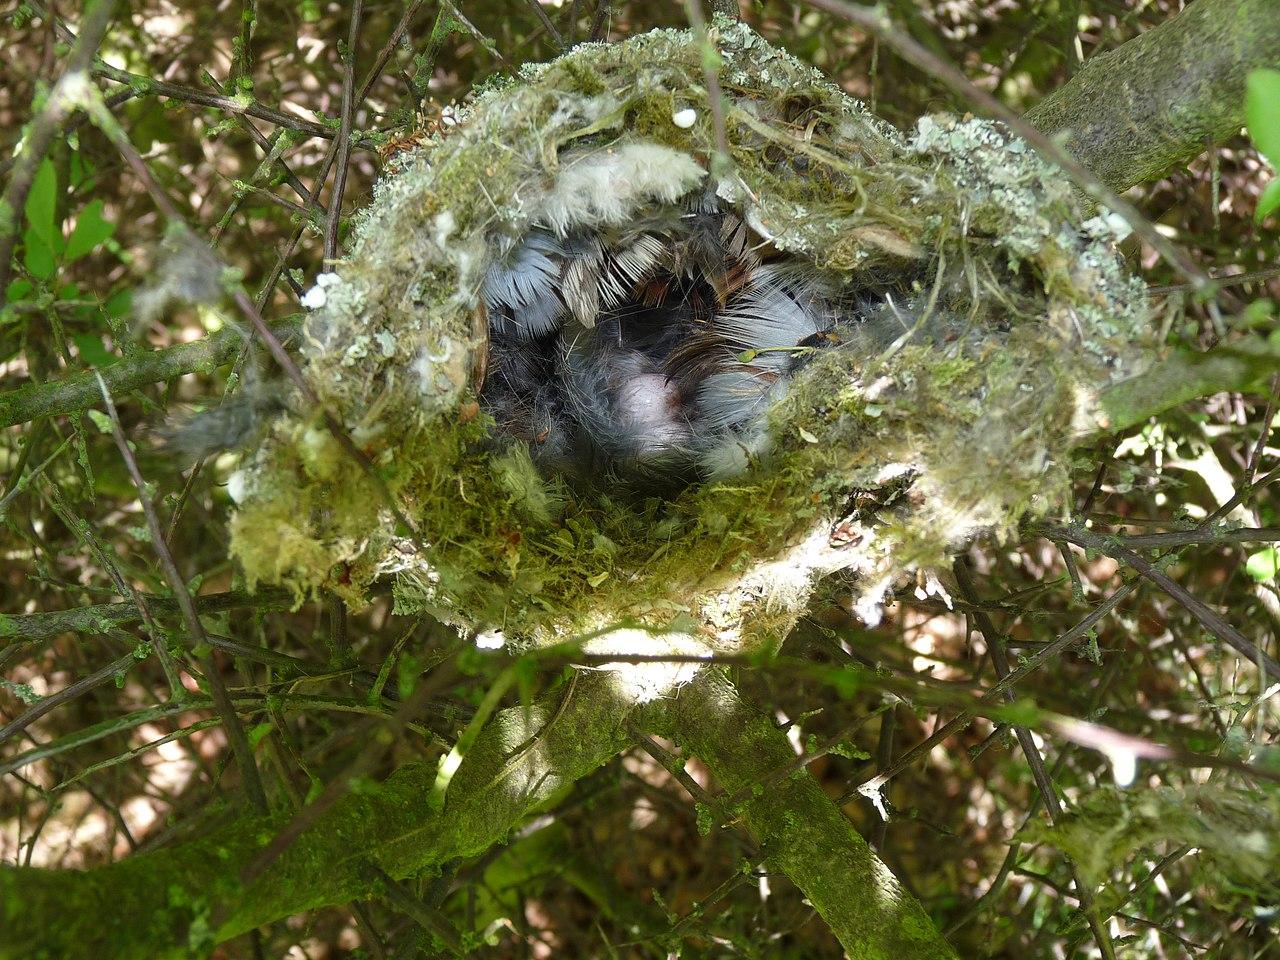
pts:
pixel 235 109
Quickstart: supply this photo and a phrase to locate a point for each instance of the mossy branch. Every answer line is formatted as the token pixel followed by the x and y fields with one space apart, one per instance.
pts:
pixel 80 391
pixel 184 899
pixel 1153 103
pixel 191 896
pixel 103 617
pixel 799 828
pixel 1243 366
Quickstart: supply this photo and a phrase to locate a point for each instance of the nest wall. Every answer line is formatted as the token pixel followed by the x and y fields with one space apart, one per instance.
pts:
pixel 971 425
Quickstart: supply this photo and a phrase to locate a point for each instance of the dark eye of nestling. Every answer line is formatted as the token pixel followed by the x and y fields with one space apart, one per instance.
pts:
pixel 651 351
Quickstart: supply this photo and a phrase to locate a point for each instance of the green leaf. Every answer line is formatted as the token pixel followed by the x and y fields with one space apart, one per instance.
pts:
pixel 1259 313
pixel 41 202
pixel 99 420
pixel 90 230
pixel 1263 565
pixel 1262 112
pixel 260 731
pixel 1269 200
pixel 37 257
pixel 19 289
pixel 1262 117
pixel 93 351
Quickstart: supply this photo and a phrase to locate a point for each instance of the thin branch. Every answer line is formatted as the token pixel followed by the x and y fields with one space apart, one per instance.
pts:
pixel 80 391
pixel 344 134
pixel 106 559
pixel 1245 491
pixel 196 635
pixel 711 76
pixel 874 20
pixel 599 22
pixel 143 85
pixel 1208 619
pixel 1264 431
pixel 1044 783
pixel 388 48
pixel 68 693
pixel 429 919
pixel 1184 538
pixel 33 627
pixel 547 25
pixel 961 721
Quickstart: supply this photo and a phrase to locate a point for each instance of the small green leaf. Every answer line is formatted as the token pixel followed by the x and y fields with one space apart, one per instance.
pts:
pixel 1262 117
pixel 37 257
pixel 119 304
pixel 1263 565
pixel 93 351
pixel 1269 200
pixel 19 289
pixel 99 420
pixel 41 202
pixel 1262 112
pixel 90 230
pixel 313 791
pixel 260 731
pixel 1259 313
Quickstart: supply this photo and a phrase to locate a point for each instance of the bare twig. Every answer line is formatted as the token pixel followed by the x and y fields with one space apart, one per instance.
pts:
pixel 1044 783
pixel 428 918
pixel 107 560
pixel 344 133
pixel 1246 490
pixel 600 22
pixel 1087 501
pixel 966 716
pixel 1208 619
pixel 163 88
pixel 547 25
pixel 1232 280
pixel 884 757
pixel 1199 535
pixel 1264 431
pixel 230 719
pixel 711 75
pixel 388 48
pixel 698 911
pixel 68 693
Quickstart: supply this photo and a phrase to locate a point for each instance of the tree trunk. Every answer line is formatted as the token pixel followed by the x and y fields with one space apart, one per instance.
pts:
pixel 1149 106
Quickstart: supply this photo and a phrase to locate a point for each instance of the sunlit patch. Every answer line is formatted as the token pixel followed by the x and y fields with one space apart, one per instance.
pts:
pixel 646 679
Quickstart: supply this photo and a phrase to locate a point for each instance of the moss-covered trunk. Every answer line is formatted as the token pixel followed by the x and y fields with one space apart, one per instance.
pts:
pixel 1135 113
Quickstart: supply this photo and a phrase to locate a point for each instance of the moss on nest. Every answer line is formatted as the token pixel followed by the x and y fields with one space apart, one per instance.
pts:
pixel 1039 315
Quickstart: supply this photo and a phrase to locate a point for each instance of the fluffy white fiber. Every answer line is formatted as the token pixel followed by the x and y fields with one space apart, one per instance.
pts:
pixel 606 187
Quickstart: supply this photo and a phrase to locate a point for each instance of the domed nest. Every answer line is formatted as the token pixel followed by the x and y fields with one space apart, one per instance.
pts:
pixel 611 373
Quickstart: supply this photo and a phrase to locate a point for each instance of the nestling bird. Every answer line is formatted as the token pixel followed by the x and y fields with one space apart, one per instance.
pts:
pixel 652 351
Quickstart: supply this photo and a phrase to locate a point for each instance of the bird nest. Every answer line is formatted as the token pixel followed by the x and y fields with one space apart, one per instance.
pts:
pixel 618 350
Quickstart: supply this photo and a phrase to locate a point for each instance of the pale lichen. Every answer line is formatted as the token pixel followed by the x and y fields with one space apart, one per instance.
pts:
pixel 1026 315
